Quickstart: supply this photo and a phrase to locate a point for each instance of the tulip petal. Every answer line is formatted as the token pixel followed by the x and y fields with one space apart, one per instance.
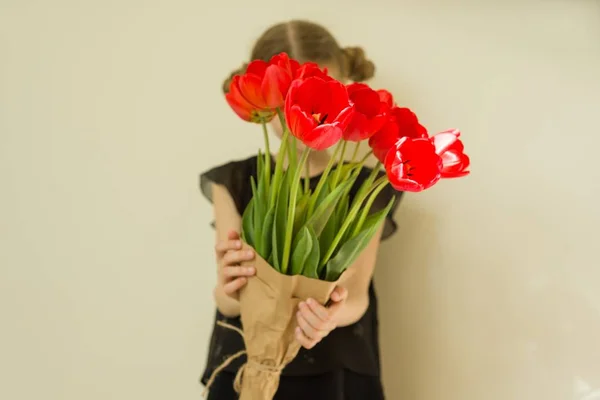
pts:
pixel 299 123
pixel 275 83
pixel 455 165
pixel 250 87
pixel 444 140
pixel 386 97
pixel 323 137
pixel 344 118
pixel 244 113
pixel 257 67
pixel 238 102
pixel 355 132
pixel 310 69
pixel 383 140
pixel 406 185
pixel 338 97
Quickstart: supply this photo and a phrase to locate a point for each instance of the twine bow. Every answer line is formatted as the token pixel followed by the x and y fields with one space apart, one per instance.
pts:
pixel 237 383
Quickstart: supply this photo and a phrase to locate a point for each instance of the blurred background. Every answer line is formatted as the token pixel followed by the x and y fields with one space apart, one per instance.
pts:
pixel 110 109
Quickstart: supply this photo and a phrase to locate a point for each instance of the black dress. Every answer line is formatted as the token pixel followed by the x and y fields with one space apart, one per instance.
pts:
pixel 345 364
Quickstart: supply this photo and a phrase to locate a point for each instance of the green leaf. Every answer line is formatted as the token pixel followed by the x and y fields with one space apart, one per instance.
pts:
pixel 323 212
pixel 256 213
pixel 323 194
pixel 301 251
pixel 248 223
pixel 279 223
pixel 328 233
pixel 347 170
pixel 333 226
pixel 342 210
pixel 367 184
pixel 260 164
pixel 262 185
pixel 312 262
pixel 301 209
pixel 253 186
pixel 350 250
pixel 343 214
pixel 264 239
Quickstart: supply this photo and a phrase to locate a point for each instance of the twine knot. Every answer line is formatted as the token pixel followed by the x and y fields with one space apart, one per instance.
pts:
pixel 273 370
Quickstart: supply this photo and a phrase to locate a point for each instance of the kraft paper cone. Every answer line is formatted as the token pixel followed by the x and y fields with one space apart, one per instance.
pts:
pixel 269 303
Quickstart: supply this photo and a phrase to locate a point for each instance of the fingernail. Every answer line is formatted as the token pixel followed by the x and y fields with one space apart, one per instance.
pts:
pixel 238 244
pixel 251 270
pixel 310 302
pixel 302 304
pixel 249 253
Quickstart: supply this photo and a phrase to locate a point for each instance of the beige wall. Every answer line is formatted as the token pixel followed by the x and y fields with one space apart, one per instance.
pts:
pixel 109 109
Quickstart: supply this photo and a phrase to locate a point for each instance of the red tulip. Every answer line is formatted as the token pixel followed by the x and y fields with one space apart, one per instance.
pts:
pixel 310 69
pixel 318 111
pixel 413 165
pixel 386 97
pixel 402 122
pixel 256 94
pixel 369 116
pixel 451 149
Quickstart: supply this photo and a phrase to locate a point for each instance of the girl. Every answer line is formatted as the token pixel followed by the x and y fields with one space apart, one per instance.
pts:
pixel 340 355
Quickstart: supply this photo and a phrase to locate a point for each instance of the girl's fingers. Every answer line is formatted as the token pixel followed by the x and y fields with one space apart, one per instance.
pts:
pixel 231 287
pixel 237 257
pixel 233 235
pixel 338 298
pixel 312 317
pixel 308 330
pixel 303 340
pixel 321 311
pixel 339 294
pixel 234 272
pixel 224 246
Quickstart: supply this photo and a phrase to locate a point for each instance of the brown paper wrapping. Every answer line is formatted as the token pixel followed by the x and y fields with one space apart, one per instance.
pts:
pixel 268 306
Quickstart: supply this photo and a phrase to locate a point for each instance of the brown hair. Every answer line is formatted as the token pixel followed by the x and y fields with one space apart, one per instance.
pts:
pixel 307 41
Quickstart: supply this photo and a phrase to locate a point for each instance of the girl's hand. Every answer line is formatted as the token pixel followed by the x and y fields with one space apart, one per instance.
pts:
pixel 231 276
pixel 316 321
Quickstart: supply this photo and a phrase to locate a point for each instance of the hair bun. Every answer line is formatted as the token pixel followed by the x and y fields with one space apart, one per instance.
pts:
pixel 359 68
pixel 227 81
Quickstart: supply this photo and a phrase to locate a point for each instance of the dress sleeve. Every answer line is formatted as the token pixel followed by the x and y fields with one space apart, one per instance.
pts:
pixel 232 176
pixel 382 200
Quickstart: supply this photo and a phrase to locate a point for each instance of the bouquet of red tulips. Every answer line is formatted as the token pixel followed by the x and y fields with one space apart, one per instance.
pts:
pixel 307 238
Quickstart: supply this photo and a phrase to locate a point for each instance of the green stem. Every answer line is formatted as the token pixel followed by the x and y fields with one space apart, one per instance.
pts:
pixel 368 183
pixel 351 216
pixel 367 208
pixel 292 152
pixel 340 165
pixel 356 168
pixel 278 169
pixel 307 179
pixel 282 119
pixel 267 155
pixel 323 180
pixel 292 148
pixel 289 229
pixel 356 149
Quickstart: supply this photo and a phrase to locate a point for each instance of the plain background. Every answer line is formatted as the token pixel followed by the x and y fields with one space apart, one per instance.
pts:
pixel 110 109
